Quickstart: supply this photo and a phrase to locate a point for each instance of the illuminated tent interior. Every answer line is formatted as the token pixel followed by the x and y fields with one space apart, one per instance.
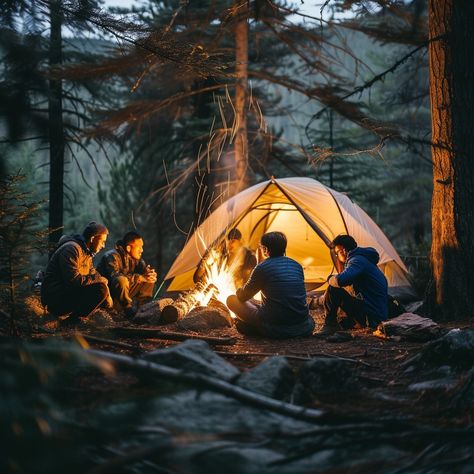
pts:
pixel 310 214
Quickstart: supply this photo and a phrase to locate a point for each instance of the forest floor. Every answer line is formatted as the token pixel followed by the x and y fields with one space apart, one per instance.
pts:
pixel 377 362
pixel 113 411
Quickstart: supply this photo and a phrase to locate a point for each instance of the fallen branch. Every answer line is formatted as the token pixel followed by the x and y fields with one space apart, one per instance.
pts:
pixel 332 356
pixel 213 384
pixel 111 342
pixel 171 335
pixel 260 354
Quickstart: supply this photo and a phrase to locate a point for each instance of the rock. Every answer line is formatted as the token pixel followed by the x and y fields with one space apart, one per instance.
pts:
pixel 463 397
pixel 203 318
pixel 150 313
pixel 324 376
pixel 273 378
pixel 410 326
pixel 194 356
pixel 436 385
pixel 455 349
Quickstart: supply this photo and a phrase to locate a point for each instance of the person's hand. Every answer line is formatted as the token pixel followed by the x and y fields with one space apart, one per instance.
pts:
pixel 150 275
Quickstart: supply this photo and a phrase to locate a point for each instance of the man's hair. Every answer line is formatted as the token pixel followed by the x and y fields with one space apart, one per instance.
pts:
pixel 347 242
pixel 275 243
pixel 234 234
pixel 92 229
pixel 130 237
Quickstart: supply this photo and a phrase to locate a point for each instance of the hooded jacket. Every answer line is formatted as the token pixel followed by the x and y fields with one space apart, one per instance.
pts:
pixel 70 267
pixel 368 281
pixel 119 262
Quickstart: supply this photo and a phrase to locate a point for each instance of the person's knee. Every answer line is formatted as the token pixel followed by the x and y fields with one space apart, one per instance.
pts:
pixel 121 282
pixel 232 302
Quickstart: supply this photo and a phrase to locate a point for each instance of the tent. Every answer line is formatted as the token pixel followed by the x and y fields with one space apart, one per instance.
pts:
pixel 310 214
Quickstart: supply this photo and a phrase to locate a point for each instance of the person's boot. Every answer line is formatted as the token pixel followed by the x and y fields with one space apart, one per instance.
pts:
pixel 329 327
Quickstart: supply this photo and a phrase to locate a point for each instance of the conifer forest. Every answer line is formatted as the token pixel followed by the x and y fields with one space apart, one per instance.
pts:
pixel 192 124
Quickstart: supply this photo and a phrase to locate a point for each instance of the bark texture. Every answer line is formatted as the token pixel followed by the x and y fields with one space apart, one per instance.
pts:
pixel 241 96
pixel 452 109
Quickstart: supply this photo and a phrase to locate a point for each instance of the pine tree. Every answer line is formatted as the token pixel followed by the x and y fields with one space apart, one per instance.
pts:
pixel 20 237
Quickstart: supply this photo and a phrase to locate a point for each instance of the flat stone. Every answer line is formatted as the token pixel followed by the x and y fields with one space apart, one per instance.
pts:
pixel 204 318
pixel 410 326
pixel 194 356
pixel 273 378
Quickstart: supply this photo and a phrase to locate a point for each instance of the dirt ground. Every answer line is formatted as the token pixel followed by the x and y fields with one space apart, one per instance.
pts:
pixel 377 363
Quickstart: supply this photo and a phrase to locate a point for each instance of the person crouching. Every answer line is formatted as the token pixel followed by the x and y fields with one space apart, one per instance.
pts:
pixel 71 283
pixel 129 277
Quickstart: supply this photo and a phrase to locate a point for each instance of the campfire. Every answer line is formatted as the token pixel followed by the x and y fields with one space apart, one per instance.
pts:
pixel 217 284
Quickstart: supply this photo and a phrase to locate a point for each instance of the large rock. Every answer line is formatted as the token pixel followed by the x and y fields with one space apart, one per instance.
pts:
pixel 411 326
pixel 204 318
pixel 462 397
pixel 455 349
pixel 273 377
pixel 150 313
pixel 324 376
pixel 194 356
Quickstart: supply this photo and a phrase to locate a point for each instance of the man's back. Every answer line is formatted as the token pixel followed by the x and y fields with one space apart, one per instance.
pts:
pixel 70 266
pixel 281 281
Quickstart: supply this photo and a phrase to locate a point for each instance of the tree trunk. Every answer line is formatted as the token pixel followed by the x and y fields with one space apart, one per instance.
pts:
pixel 452 110
pixel 241 97
pixel 56 132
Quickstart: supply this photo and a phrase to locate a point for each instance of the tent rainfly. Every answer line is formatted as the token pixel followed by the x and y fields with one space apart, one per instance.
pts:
pixel 310 214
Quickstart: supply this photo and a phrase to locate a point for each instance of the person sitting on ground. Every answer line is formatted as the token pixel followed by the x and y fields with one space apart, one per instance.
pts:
pixel 369 305
pixel 128 275
pixel 237 258
pixel 71 284
pixel 283 312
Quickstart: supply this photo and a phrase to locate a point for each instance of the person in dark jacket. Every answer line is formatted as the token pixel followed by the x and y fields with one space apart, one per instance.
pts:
pixel 128 275
pixel 234 257
pixel 71 283
pixel 369 306
pixel 283 312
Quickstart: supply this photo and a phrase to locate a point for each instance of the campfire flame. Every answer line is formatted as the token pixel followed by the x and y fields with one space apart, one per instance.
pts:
pixel 218 280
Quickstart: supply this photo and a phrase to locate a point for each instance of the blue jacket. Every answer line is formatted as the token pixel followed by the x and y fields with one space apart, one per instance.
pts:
pixel 368 281
pixel 284 312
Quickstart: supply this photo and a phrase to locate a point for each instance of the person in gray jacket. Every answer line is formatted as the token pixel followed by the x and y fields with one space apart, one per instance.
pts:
pixel 71 283
pixel 128 275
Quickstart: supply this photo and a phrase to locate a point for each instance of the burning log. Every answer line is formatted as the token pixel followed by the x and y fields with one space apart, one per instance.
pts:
pixel 186 302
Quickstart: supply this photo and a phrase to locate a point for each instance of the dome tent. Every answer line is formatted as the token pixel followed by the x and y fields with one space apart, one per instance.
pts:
pixel 310 214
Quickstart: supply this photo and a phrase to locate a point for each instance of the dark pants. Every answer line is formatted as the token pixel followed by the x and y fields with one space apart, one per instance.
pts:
pixel 123 291
pixel 336 298
pixel 248 322
pixel 80 302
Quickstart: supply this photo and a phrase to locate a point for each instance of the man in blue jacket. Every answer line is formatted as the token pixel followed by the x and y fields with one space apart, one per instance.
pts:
pixel 283 312
pixel 369 306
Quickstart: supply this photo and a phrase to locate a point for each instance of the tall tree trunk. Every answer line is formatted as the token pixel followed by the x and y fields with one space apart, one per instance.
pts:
pixel 452 110
pixel 56 132
pixel 241 96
